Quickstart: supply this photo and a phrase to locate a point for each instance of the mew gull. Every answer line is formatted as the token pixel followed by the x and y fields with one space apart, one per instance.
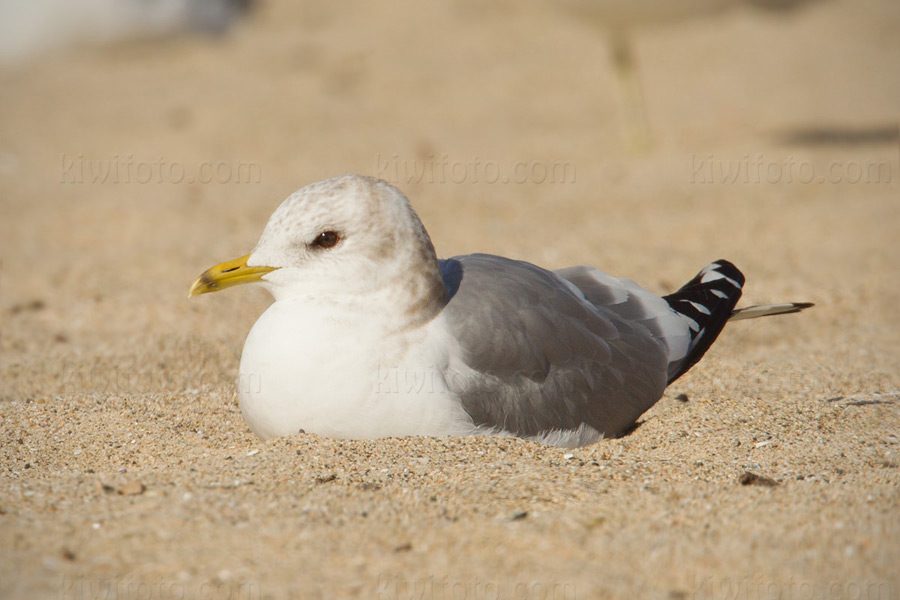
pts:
pixel 371 336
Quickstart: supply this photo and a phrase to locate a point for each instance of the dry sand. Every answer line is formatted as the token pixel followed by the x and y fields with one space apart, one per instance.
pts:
pixel 127 470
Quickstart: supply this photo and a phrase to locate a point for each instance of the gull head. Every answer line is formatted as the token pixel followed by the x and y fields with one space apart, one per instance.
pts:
pixel 346 236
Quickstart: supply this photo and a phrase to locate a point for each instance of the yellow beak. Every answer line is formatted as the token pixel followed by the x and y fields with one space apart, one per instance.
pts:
pixel 228 274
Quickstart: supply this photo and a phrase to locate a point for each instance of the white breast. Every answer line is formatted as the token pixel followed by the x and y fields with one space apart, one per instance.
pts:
pixel 336 373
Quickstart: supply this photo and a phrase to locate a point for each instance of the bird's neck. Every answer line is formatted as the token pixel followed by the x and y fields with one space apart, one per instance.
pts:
pixel 418 296
pixel 394 301
pixel 417 291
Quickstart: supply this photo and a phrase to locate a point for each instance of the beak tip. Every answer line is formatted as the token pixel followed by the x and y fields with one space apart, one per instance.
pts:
pixel 194 290
pixel 226 275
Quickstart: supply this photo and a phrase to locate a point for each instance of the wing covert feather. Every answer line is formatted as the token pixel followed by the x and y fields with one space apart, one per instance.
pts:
pixel 538 357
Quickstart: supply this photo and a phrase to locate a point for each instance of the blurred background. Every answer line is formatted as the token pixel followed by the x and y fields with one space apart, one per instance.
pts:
pixel 143 141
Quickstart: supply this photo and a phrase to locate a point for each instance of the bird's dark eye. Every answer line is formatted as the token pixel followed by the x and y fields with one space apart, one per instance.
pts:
pixel 327 239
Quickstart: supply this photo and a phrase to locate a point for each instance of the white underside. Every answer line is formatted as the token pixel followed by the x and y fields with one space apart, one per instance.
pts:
pixel 327 371
pixel 322 370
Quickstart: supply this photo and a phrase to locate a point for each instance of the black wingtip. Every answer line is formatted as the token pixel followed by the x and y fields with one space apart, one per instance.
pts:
pixel 707 301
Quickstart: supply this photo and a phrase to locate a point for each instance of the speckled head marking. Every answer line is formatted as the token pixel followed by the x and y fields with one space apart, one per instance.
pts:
pixel 383 246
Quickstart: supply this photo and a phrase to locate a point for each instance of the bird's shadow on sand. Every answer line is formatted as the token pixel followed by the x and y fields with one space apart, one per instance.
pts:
pixel 634 427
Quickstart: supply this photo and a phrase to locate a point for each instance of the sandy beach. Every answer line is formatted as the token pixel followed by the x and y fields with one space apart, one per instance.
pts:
pixel 126 469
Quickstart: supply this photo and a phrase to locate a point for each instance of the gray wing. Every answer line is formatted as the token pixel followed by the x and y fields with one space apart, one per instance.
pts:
pixel 551 351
